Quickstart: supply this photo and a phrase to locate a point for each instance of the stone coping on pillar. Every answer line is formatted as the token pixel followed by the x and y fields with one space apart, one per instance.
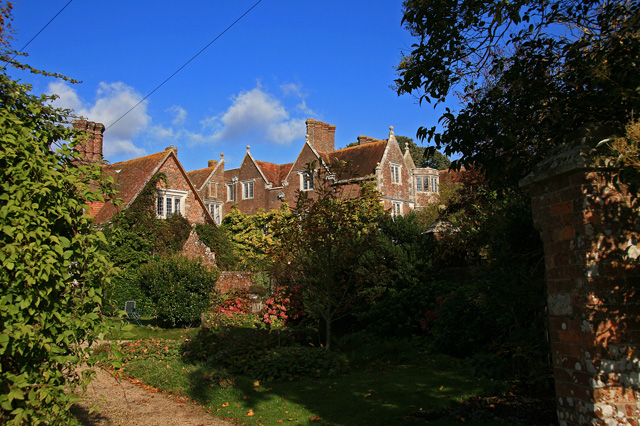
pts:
pixel 579 154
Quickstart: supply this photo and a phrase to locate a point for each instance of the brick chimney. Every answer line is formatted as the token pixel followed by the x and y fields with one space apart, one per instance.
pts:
pixel 89 146
pixel 212 163
pixel 322 136
pixel 362 140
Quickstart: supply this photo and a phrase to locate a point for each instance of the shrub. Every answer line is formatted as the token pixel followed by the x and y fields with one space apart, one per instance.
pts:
pixel 179 288
pixel 405 312
pixel 261 355
pixel 284 307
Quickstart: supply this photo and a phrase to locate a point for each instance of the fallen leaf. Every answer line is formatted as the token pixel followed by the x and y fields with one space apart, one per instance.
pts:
pixel 249 414
pixel 226 404
pixel 256 383
pixel 315 419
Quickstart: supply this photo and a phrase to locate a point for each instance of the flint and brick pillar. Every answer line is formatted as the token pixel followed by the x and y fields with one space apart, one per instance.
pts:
pixel 590 227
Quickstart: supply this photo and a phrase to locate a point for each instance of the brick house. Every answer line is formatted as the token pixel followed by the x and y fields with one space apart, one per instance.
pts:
pixel 260 185
pixel 175 194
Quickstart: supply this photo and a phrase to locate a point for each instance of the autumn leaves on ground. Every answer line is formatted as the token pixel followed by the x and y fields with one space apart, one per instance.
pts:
pixel 401 383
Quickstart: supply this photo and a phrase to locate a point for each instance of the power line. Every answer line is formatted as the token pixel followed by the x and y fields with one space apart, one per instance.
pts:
pixel 185 64
pixel 50 21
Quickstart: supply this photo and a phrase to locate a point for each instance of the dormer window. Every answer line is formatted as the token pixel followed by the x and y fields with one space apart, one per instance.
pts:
pixel 170 202
pixel 306 182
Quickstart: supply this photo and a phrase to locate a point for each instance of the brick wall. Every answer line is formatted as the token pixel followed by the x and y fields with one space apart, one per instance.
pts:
pixel 230 280
pixel 590 232
pixel 194 248
pixel 193 210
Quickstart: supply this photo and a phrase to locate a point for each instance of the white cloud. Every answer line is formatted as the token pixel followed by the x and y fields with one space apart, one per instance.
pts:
pixel 113 100
pixel 179 113
pixel 258 114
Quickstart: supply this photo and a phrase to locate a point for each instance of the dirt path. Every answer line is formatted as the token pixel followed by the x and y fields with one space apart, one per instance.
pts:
pixel 122 403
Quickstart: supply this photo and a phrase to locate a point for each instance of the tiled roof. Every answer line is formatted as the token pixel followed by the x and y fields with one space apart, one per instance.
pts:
pixel 284 172
pixel 271 171
pixel 275 173
pixel 130 177
pixel 362 159
pixel 199 177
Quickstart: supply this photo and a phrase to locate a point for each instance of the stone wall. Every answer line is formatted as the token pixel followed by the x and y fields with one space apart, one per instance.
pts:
pixel 590 231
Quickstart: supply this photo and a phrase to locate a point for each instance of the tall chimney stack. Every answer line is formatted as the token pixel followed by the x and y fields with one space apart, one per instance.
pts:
pixel 322 136
pixel 89 145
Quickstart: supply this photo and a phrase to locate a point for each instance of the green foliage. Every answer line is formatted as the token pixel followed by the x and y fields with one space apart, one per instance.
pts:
pixel 252 236
pixel 329 247
pixel 424 156
pixel 135 237
pixel 407 311
pixel 52 272
pixel 218 239
pixel 178 288
pixel 259 354
pixel 529 74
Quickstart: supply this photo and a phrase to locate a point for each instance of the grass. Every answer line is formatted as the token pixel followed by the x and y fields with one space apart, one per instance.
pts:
pixel 148 330
pixel 379 395
pixel 380 390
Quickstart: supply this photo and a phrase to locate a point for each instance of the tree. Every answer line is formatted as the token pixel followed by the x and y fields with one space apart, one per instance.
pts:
pixel 424 156
pixel 328 246
pixel 52 272
pixel 528 74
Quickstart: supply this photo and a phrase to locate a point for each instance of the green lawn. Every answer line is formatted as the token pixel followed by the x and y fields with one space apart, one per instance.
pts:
pixel 381 393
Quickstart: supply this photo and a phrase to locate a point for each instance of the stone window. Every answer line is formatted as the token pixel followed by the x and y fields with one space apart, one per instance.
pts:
pixel 216 212
pixel 396 209
pixel 231 192
pixel 306 182
pixel 247 190
pixel 395 173
pixel 169 202
pixel 213 189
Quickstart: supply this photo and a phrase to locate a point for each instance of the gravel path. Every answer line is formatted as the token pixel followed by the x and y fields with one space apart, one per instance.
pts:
pixel 123 403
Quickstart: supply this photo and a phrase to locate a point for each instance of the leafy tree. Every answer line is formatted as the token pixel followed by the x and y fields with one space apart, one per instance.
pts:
pixel 329 247
pixel 528 73
pixel 52 272
pixel 252 236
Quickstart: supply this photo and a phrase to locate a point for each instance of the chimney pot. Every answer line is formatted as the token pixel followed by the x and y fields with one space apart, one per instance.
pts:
pixel 212 163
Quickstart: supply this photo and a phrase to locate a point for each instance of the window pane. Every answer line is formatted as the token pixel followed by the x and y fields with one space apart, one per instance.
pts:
pixel 160 205
pixel 169 205
pixel 419 184
pixel 177 206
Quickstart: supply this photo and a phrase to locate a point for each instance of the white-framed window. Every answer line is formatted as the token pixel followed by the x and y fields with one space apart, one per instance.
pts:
pixel 231 192
pixel 426 184
pixel 395 173
pixel 169 202
pixel 213 189
pixel 306 182
pixel 247 190
pixel 396 209
pixel 216 212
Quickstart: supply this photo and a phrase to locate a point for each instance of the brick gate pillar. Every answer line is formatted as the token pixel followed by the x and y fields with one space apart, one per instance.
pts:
pixel 590 233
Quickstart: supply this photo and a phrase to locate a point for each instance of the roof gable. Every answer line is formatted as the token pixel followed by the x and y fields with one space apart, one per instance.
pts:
pixel 201 176
pixel 131 176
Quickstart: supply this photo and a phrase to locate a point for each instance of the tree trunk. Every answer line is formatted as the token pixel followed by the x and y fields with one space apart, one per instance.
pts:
pixel 327 335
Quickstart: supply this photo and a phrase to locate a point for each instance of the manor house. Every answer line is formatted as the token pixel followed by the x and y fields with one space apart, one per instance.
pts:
pixel 261 185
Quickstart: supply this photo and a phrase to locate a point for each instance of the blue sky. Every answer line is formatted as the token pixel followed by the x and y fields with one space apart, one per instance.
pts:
pixel 284 62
